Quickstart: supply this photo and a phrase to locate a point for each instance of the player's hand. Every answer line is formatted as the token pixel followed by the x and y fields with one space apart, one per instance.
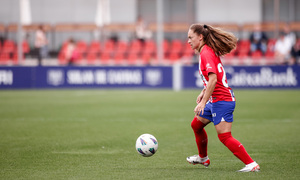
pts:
pixel 199 98
pixel 199 109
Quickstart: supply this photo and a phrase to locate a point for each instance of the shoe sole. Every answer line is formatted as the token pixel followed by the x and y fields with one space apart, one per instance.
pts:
pixel 199 164
pixel 255 169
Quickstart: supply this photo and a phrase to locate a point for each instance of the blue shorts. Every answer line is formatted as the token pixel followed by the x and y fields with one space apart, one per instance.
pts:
pixel 219 111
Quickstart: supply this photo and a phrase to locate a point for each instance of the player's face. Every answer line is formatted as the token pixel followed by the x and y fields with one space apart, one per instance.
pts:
pixel 194 40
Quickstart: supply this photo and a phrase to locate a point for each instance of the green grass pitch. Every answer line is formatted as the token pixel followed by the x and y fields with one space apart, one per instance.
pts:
pixel 91 134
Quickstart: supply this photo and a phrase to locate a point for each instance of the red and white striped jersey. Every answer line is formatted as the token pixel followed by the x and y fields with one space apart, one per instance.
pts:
pixel 209 62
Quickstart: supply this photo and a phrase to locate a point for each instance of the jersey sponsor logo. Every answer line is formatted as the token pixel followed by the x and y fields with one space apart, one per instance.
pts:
pixel 208 66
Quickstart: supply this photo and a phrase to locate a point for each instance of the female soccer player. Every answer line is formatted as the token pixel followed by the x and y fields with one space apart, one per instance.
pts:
pixel 216 102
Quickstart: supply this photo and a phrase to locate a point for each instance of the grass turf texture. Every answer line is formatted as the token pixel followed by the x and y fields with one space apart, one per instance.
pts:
pixel 91 134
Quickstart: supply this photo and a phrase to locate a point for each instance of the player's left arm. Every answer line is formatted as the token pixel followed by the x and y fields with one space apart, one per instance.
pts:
pixel 199 109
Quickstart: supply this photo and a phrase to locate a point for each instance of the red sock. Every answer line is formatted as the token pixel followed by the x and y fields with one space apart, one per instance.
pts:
pixel 201 136
pixel 235 147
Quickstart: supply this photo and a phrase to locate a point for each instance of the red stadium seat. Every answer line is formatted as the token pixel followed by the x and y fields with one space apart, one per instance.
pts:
pixel 176 46
pixel 146 58
pixel 256 55
pixel 132 59
pixel 135 47
pixel 121 47
pixel 243 48
pixel 81 47
pixel 242 56
pixel 79 58
pixel 119 58
pixel 187 51
pixel 4 58
pixel 173 57
pixel 105 58
pixel 244 43
pixel 230 55
pixel 95 47
pixel 91 58
pixel 8 46
pixel 108 47
pixel 150 47
pixel 229 58
pixel 256 58
pixel 25 47
pixel 243 51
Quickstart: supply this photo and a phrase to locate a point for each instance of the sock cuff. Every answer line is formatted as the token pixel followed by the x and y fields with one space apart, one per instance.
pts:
pixel 224 136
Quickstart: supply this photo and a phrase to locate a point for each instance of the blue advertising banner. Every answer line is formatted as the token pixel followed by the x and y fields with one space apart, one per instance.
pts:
pixel 85 77
pixel 16 77
pixel 249 77
pixel 144 77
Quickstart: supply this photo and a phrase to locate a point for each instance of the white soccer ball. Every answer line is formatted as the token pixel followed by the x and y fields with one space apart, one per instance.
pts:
pixel 146 145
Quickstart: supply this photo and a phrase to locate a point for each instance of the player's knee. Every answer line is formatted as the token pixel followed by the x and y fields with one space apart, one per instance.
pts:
pixel 194 124
pixel 197 124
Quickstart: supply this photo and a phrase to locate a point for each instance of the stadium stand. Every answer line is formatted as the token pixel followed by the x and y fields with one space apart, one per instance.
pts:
pixel 135 52
pixel 105 58
pixel 4 58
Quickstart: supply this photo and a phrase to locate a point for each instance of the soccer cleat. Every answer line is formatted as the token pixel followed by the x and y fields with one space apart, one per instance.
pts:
pixel 196 159
pixel 252 167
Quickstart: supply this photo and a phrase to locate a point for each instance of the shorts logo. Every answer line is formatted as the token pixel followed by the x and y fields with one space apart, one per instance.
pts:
pixel 214 114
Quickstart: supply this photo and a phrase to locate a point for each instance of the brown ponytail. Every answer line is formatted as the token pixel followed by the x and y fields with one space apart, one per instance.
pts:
pixel 222 42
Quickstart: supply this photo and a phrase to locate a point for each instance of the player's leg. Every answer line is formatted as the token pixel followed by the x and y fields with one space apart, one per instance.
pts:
pixel 198 124
pixel 224 134
pixel 223 118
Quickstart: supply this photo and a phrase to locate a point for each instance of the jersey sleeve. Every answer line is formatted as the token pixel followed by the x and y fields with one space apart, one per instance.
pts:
pixel 208 62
